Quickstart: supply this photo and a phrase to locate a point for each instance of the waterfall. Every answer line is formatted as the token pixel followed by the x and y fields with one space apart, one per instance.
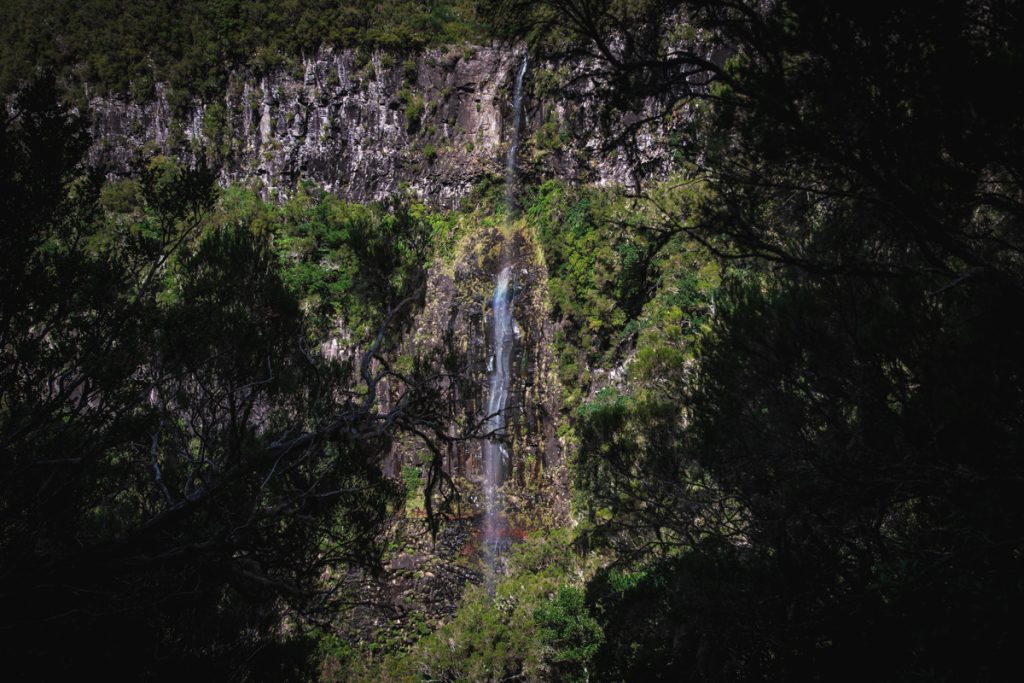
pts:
pixel 495 448
pixel 511 167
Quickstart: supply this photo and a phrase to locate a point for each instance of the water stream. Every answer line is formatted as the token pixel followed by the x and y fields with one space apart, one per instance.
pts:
pixel 495 448
pixel 512 157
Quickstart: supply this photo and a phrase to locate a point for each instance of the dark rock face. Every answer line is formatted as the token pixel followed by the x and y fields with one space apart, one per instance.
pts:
pixel 436 124
pixel 458 315
pixel 424 578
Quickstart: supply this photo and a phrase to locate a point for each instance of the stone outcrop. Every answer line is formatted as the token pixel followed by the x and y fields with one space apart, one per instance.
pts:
pixel 435 124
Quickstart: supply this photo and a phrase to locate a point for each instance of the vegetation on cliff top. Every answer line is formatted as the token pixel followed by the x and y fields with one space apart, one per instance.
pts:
pixel 124 47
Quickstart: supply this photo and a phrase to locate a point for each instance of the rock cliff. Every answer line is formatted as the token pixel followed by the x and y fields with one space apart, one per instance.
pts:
pixel 437 124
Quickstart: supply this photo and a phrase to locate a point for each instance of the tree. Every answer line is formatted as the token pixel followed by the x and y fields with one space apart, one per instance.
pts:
pixel 841 468
pixel 177 471
pixel 570 634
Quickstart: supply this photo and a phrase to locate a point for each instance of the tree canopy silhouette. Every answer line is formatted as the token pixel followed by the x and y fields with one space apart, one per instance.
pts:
pixel 176 467
pixel 840 471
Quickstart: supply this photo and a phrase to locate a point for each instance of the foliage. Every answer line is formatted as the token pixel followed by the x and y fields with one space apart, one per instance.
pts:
pixel 412 478
pixel 347 263
pixel 837 470
pixel 801 457
pixel 215 131
pixel 613 279
pixel 571 635
pixel 414 108
pixel 551 136
pixel 584 274
pixel 176 467
pixel 121 47
pixel 534 626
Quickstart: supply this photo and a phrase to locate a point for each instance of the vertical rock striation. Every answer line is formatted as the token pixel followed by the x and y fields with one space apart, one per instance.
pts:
pixel 435 124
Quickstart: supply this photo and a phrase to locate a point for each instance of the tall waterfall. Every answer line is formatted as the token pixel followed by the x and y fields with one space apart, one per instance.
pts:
pixel 511 158
pixel 495 448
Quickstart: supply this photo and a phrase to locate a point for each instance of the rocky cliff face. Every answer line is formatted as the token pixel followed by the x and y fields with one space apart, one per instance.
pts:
pixel 436 124
pixel 458 313
pixel 424 577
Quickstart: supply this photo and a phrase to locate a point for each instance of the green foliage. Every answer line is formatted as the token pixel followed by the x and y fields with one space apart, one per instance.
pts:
pixel 215 130
pixel 409 70
pixel 412 478
pixel 345 262
pixel 551 136
pixel 803 456
pixel 333 653
pixel 167 482
pixel 534 626
pixel 615 282
pixel 572 637
pixel 414 107
pixel 606 413
pixel 582 263
pixel 824 463
pixel 116 46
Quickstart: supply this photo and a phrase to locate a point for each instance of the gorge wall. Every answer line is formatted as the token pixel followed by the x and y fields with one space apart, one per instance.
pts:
pixel 437 126
pixel 366 128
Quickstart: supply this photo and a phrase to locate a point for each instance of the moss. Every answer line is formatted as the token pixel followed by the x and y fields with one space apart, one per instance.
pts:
pixel 414 106
pixel 215 130
pixel 409 70
pixel 429 153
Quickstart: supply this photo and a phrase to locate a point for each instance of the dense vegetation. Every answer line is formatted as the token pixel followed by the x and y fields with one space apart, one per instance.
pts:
pixel 618 287
pixel 791 370
pixel 124 47
pixel 832 488
pixel 535 624
pixel 177 460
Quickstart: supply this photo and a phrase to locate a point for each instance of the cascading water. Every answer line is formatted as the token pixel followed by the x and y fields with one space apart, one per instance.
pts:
pixel 495 449
pixel 511 158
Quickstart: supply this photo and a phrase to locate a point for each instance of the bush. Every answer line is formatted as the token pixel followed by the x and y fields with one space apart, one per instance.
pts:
pixel 570 635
